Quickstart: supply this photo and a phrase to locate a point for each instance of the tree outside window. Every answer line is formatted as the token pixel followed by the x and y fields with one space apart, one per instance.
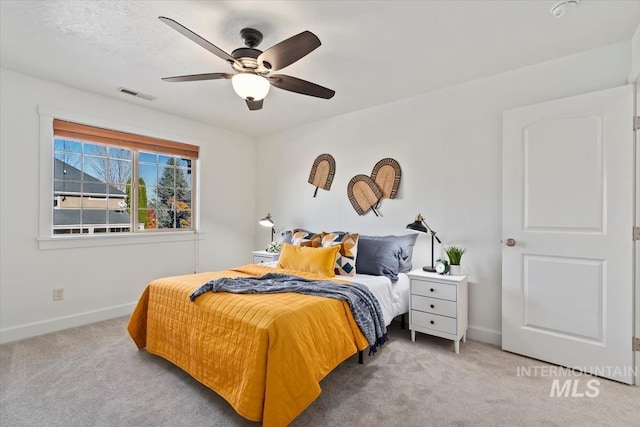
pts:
pixel 86 173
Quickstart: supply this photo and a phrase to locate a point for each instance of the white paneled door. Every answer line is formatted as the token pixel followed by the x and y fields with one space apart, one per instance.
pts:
pixel 567 257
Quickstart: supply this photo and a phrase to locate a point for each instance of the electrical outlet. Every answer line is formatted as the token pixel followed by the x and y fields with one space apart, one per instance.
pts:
pixel 58 294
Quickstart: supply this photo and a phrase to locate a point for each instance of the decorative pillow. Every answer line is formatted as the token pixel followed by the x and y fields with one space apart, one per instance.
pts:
pixel 346 258
pixel 287 236
pixel 405 248
pixel 306 238
pixel 380 257
pixel 311 260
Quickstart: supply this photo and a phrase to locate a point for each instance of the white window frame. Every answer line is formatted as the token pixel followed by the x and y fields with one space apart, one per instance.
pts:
pixel 47 240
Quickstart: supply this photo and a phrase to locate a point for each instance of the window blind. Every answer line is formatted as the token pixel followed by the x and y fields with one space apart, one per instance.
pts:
pixel 65 129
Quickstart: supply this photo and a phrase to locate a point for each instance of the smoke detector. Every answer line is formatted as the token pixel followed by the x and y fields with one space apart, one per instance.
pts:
pixel 559 9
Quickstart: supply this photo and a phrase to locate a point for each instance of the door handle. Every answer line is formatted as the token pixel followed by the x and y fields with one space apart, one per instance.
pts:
pixel 510 242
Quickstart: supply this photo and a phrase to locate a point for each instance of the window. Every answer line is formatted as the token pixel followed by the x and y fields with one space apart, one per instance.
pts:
pixel 113 182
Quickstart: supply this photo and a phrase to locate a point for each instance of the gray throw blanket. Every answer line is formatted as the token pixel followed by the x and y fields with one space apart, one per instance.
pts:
pixel 364 306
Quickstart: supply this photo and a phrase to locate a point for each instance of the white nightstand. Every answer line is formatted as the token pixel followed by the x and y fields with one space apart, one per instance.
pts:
pixel 438 306
pixel 263 256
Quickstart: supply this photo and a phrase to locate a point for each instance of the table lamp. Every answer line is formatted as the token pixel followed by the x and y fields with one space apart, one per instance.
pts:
pixel 421 226
pixel 267 221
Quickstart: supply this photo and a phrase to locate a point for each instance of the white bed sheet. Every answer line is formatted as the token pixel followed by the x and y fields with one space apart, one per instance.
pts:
pixel 393 297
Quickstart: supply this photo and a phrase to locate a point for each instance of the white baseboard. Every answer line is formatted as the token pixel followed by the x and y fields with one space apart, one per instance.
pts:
pixel 29 330
pixel 489 336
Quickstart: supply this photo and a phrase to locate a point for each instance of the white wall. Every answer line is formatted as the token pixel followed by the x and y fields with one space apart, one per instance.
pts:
pixel 634 75
pixel 449 146
pixel 105 281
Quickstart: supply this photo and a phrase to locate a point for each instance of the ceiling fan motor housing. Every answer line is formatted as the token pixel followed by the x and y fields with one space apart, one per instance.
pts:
pixel 252 38
pixel 247 60
pixel 246 52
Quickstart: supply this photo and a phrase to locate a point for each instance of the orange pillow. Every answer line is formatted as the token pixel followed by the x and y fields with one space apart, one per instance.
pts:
pixel 311 260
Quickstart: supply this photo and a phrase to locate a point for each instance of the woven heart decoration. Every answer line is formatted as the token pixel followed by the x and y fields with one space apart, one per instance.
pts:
pixel 322 172
pixel 363 194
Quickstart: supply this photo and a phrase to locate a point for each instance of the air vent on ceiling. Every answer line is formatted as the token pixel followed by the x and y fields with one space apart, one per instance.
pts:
pixel 137 94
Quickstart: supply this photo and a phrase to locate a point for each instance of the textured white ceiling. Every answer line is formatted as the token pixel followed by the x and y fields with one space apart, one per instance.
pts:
pixel 373 52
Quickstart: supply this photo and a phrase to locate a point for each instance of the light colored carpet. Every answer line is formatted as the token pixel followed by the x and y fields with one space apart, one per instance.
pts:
pixel 94 376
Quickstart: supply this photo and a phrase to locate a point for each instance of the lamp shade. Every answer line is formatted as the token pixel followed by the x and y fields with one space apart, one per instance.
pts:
pixel 250 86
pixel 267 221
pixel 418 225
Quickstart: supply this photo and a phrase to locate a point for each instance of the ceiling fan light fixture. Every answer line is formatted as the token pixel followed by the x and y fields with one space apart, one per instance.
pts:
pixel 250 86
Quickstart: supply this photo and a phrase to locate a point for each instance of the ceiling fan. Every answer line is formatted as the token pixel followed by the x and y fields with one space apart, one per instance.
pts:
pixel 253 67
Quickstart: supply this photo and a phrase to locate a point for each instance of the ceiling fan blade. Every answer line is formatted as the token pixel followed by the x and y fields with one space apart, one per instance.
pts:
pixel 303 87
pixel 196 38
pixel 254 105
pixel 196 77
pixel 289 51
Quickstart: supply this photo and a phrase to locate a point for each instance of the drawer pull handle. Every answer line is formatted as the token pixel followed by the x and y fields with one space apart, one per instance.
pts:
pixel 432 290
pixel 433 306
pixel 433 323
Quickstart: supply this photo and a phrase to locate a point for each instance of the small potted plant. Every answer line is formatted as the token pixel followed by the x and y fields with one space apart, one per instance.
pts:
pixel 274 247
pixel 454 253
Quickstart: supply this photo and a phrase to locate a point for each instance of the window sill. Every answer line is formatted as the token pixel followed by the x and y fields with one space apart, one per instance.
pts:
pixel 86 241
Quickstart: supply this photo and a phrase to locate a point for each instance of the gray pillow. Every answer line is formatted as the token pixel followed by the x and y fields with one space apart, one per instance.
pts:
pixel 378 257
pixel 287 236
pixel 404 244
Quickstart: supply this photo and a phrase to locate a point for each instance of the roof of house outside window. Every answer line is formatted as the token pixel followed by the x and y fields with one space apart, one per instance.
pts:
pixel 75 181
pixel 70 180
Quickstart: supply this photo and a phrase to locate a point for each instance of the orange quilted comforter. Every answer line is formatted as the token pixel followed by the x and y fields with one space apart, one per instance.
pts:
pixel 263 353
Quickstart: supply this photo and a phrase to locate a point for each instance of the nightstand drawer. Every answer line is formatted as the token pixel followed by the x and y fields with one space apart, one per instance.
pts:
pixel 433 321
pixel 433 305
pixel 258 259
pixel 433 290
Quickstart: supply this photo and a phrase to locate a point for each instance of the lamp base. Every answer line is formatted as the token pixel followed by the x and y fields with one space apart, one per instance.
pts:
pixel 429 269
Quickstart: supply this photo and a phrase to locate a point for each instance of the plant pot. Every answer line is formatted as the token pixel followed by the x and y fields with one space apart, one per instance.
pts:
pixel 455 270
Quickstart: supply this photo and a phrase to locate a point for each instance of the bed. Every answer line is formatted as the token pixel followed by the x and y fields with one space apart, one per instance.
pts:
pixel 265 354
pixel 393 296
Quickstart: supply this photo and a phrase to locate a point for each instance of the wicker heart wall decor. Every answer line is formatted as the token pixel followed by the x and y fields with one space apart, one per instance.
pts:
pixel 366 192
pixel 386 174
pixel 322 172
pixel 363 194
